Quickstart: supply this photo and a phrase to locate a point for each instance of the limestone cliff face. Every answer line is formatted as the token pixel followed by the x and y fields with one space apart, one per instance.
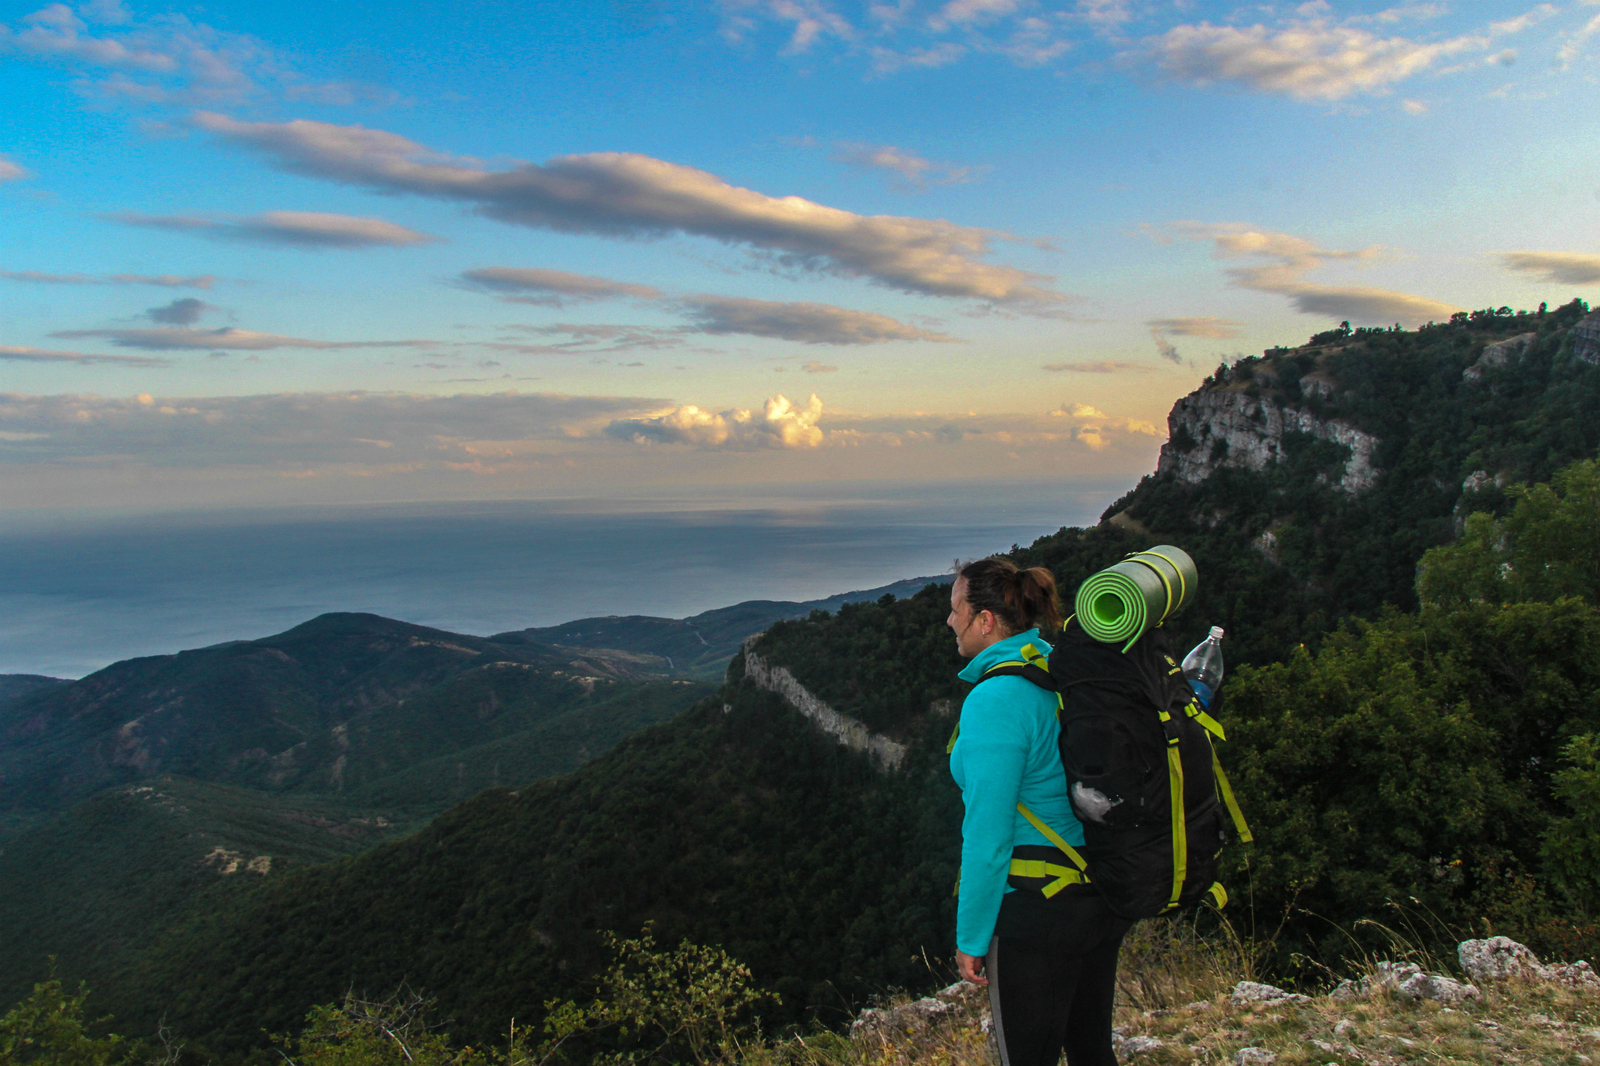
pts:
pixel 846 730
pixel 1228 427
pixel 1586 339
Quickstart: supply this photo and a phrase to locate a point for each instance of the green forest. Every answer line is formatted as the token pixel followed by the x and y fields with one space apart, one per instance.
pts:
pixel 1410 709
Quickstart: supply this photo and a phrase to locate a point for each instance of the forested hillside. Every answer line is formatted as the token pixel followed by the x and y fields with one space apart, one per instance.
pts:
pixel 1427 751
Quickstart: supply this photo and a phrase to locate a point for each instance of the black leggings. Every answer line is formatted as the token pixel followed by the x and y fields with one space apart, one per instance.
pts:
pixel 1053 992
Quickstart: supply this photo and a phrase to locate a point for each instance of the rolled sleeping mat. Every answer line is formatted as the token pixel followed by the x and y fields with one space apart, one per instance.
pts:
pixel 1119 603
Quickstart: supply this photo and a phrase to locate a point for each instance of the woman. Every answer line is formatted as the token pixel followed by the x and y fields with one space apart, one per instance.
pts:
pixel 1049 960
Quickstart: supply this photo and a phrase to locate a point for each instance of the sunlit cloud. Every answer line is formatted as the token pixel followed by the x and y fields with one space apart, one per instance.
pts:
pixel 590 339
pixel 915 171
pixel 12 354
pixel 1161 329
pixel 553 288
pixel 1309 59
pixel 780 424
pixel 818 368
pixel 178 338
pixel 1287 259
pixel 807 323
pixel 298 229
pixel 1561 268
pixel 618 194
pixel 170 281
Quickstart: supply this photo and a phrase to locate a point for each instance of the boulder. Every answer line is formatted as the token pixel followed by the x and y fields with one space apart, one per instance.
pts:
pixel 1247 993
pixel 1497 959
pixel 1254 1056
pixel 908 1019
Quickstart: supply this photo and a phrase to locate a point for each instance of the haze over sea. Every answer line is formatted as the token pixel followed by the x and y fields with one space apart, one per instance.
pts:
pixel 78 595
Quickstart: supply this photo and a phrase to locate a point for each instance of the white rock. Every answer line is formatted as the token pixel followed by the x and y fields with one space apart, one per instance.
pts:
pixel 1577 973
pixel 1138 1045
pixel 1498 958
pixel 1344 1028
pixel 1199 1004
pixel 1254 1056
pixel 906 1018
pixel 1247 992
pixel 1434 986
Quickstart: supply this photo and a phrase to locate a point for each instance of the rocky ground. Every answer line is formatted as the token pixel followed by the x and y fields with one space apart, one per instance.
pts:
pixel 1503 1007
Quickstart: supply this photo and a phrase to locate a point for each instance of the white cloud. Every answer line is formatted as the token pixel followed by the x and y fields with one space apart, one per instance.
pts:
pixel 1305 60
pixel 170 281
pixel 1289 258
pixel 619 194
pixel 9 353
pixel 10 171
pixel 1562 268
pixel 807 323
pixel 299 229
pixel 1573 46
pixel 916 171
pixel 166 59
pixel 1097 430
pixel 780 424
pixel 554 288
pixel 178 338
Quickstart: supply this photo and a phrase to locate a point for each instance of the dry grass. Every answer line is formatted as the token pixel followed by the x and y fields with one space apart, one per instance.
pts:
pixel 1175 993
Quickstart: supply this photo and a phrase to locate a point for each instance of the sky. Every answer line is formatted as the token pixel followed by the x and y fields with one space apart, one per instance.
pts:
pixel 269 254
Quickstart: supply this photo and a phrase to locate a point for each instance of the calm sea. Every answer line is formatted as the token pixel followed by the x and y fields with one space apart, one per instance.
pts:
pixel 77 594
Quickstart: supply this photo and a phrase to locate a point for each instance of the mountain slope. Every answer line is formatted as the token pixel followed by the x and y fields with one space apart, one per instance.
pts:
pixel 699 646
pixel 333 704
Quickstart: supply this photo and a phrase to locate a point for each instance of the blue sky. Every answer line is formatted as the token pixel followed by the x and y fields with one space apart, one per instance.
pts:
pixel 267 254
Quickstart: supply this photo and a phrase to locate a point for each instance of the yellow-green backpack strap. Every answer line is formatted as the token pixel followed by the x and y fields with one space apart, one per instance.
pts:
pixel 1229 800
pixel 1053 837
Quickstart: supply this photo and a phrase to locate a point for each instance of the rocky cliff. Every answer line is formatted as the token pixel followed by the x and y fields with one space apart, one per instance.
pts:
pixel 888 754
pixel 1226 425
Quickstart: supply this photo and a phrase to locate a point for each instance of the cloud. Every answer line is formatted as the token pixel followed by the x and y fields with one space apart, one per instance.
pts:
pixel 40 355
pixel 1216 328
pixel 1290 258
pixel 1097 430
pixel 552 288
pixel 624 195
pixel 1304 60
pixel 1561 268
pixel 818 368
pixel 300 229
pixel 591 339
pixel 807 323
pixel 10 171
pixel 1102 366
pixel 166 59
pixel 780 425
pixel 917 172
pixel 170 281
pixel 181 312
pixel 1162 328
pixel 1573 46
pixel 304 428
pixel 175 339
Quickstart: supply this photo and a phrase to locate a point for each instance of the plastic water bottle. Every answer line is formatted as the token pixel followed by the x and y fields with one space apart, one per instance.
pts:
pixel 1203 666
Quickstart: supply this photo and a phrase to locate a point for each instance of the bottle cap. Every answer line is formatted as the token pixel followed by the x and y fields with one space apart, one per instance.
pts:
pixel 1216 631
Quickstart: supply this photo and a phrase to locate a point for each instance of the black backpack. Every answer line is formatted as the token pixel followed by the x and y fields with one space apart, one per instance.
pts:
pixel 1142 774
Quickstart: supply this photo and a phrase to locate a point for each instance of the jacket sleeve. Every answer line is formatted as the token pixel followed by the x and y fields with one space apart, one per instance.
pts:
pixel 993 752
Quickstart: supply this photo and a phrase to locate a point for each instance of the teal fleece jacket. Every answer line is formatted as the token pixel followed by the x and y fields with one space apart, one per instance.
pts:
pixel 1005 752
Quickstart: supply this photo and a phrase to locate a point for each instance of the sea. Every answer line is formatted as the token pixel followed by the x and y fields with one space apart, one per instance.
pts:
pixel 81 591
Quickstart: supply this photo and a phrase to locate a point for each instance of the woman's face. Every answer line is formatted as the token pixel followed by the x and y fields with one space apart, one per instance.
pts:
pixel 974 630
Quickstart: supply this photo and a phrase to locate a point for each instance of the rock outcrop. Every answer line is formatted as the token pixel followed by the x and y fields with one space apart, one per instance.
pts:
pixel 852 734
pixel 1500 958
pixel 1586 339
pixel 1498 354
pixel 1222 427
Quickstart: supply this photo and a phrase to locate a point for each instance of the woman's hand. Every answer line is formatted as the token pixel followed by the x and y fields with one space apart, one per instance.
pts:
pixel 971 968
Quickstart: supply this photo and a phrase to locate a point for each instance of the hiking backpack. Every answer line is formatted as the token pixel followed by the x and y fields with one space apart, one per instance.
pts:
pixel 1142 774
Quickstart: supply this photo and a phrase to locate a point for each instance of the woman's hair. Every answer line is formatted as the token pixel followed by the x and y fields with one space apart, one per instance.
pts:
pixel 1020 599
